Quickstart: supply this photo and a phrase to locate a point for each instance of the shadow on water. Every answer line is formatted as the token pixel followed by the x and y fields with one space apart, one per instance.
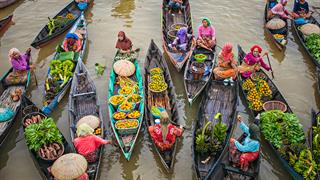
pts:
pixel 123 9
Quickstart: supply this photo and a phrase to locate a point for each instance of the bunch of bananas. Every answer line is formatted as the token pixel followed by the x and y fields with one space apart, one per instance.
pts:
pixel 256 105
pixel 248 84
pixel 253 95
pixel 264 88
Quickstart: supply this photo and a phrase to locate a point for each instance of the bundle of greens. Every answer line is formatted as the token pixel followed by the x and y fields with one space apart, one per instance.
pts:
pixel 316 140
pixel 304 164
pixel 61 70
pixel 313 44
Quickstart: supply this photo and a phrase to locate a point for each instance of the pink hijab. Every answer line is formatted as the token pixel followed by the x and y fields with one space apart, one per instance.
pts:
pixel 279 8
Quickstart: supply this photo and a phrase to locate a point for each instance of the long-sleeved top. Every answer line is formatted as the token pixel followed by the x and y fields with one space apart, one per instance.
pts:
pixel 21 63
pixel 251 60
pixel 206 32
pixel 280 10
pixel 248 144
pixel 88 144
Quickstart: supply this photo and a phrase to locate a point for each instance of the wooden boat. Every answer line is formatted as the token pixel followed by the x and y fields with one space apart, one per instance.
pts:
pixel 314 122
pixel 195 87
pixel 126 142
pixel 7 102
pixel 281 44
pixel 276 95
pixel 154 59
pixel 5 3
pixel 218 98
pixel 178 59
pixel 5 22
pixel 44 38
pixel 41 164
pixel 318 75
pixel 50 105
pixel 84 90
pixel 301 38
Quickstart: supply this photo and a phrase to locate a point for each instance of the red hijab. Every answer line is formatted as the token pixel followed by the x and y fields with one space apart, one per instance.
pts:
pixel 125 44
pixel 227 52
pixel 254 47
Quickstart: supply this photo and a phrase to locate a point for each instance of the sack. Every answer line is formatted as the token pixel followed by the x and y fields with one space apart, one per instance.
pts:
pixel 275 23
pixel 300 21
pixel 6 114
pixel 309 28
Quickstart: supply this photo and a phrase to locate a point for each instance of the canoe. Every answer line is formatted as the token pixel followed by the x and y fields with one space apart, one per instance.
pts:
pixel 52 104
pixel 222 99
pixel 178 59
pixel 84 90
pixel 194 87
pixel 5 3
pixel 5 22
pixel 6 102
pixel 226 171
pixel 154 59
pixel 314 122
pixel 126 142
pixel 277 42
pixel 318 79
pixel 301 38
pixel 276 95
pixel 41 164
pixel 44 38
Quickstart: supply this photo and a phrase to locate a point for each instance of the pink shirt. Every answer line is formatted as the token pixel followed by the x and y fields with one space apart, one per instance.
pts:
pixel 206 32
pixel 88 144
pixel 280 10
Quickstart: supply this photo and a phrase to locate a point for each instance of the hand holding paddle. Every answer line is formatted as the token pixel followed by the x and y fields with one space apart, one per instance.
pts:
pixel 269 64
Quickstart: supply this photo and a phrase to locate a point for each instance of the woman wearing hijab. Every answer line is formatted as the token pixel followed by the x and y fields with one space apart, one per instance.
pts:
pixel 182 39
pixel 301 9
pixel 280 10
pixel 206 35
pixel 124 44
pixel 227 66
pixel 20 62
pixel 72 43
pixel 252 62
pixel 87 143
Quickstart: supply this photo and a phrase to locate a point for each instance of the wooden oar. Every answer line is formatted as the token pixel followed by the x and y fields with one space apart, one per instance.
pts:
pixel 270 66
pixel 34 74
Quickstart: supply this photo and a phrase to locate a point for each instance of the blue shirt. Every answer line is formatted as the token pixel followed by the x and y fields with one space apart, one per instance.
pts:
pixel 248 145
pixel 301 8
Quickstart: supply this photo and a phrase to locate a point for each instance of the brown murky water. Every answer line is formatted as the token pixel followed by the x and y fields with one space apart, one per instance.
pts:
pixel 235 21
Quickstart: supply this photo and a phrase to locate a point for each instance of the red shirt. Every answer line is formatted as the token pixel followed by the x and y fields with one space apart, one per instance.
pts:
pixel 88 144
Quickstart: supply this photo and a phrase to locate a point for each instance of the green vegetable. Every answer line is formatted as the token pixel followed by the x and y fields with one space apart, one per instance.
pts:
pixel 316 140
pixel 313 44
pixel 201 145
pixel 155 111
pixel 220 129
pixel 305 165
pixel 39 134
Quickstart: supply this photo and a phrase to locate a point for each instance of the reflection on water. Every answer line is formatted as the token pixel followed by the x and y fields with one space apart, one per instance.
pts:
pixel 123 9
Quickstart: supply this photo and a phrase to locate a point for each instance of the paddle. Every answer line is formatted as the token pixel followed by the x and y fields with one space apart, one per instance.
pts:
pixel 270 66
pixel 32 72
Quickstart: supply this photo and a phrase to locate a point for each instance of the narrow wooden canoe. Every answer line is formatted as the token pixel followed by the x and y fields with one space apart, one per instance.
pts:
pixel 5 3
pixel 318 75
pixel 154 59
pixel 41 164
pixel 302 39
pixel 5 22
pixel 222 99
pixel 314 122
pixel 126 142
pixel 276 95
pixel 195 87
pixel 49 106
pixel 6 102
pixel 82 90
pixel 281 46
pixel 178 59
pixel 43 38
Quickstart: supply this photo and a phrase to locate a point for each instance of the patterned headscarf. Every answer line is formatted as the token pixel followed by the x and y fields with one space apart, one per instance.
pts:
pixel 227 52
pixel 13 51
pixel 84 130
pixel 182 34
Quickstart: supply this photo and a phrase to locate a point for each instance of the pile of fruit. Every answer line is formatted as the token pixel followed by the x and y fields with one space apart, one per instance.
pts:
pixel 127 82
pixel 157 83
pixel 58 22
pixel 126 106
pixel 97 131
pixel 32 119
pixel 134 114
pixel 127 124
pixel 116 100
pixel 278 36
pixel 125 91
pixel 135 98
pixel 119 115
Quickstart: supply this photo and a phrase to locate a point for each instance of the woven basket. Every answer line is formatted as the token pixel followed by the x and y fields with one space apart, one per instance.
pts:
pixel 274 105
pixel 59 155
pixel 30 109
pixel 258 75
pixel 172 34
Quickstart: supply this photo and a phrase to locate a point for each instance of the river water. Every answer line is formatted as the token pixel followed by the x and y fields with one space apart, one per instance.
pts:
pixel 238 22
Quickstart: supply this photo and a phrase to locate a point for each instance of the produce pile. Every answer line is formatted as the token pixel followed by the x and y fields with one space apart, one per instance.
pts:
pixel 313 44
pixel 16 94
pixel 32 119
pixel 210 138
pixel 127 124
pixel 157 83
pixel 256 90
pixel 61 72
pixel 59 22
pixel 316 141
pixel 285 133
pixel 44 137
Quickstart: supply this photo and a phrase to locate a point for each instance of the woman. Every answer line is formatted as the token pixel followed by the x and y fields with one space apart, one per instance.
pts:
pixel 207 35
pixel 182 39
pixel 227 66
pixel 242 153
pixel 164 133
pixel 280 10
pixel 301 9
pixel 72 43
pixel 87 143
pixel 175 5
pixel 252 62
pixel 124 46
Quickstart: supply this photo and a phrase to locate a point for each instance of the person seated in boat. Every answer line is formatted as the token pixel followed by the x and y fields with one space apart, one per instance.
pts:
pixel 87 143
pixel 81 30
pixel 252 62
pixel 280 10
pixel 175 5
pixel 72 43
pixel 20 64
pixel 82 4
pixel 206 35
pixel 124 46
pixel 242 153
pixel 181 41
pixel 164 133
pixel 227 65
pixel 301 9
